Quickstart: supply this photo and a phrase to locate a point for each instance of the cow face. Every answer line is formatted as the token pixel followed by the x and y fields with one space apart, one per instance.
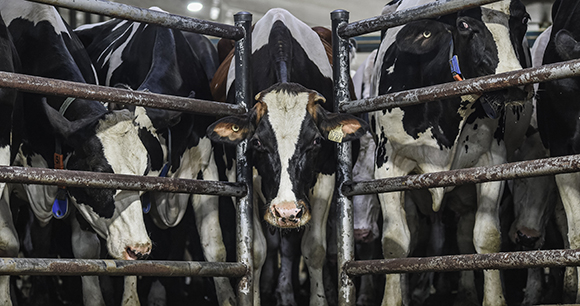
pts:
pixel 288 133
pixel 109 144
pixel 491 39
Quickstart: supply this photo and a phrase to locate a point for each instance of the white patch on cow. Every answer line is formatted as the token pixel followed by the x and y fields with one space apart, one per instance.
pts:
pixel 286 113
pixel 40 197
pixel 33 12
pixel 496 18
pixel 90 25
pixel 115 58
pixel 144 121
pixel 4 161
pixel 301 32
pixel 122 146
pixel 391 69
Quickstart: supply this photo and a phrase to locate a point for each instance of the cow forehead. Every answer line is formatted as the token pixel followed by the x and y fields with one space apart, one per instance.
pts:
pixel 122 146
pixel 286 112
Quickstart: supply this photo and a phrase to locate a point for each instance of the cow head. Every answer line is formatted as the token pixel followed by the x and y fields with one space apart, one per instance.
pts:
pixel 491 39
pixel 288 132
pixel 108 143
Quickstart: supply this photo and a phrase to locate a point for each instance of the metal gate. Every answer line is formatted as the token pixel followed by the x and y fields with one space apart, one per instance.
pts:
pixel 241 189
pixel 347 266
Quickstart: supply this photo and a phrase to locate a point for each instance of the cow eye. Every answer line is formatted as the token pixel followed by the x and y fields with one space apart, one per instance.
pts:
pixel 257 144
pixel 526 19
pixel 317 141
pixel 463 25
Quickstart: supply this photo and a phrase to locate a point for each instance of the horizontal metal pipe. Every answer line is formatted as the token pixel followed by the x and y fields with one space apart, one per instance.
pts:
pixel 45 176
pixel 507 260
pixel 430 10
pixel 124 11
pixel 469 86
pixel 50 266
pixel 529 168
pixel 43 85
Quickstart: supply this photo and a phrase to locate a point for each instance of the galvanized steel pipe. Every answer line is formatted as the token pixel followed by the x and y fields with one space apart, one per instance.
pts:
pixel 62 88
pixel 50 266
pixel 470 86
pixel 86 179
pixel 245 205
pixel 507 260
pixel 345 209
pixel 124 11
pixel 523 169
pixel 430 10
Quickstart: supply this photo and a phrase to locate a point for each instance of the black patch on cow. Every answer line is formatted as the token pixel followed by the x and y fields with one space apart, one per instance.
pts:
pixel 419 58
pixel 264 150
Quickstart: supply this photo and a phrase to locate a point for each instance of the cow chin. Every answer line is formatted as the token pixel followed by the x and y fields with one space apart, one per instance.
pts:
pixel 299 218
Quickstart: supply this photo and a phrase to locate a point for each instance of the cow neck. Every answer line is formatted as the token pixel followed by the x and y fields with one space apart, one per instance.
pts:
pixel 145 198
pixel 60 205
pixel 454 63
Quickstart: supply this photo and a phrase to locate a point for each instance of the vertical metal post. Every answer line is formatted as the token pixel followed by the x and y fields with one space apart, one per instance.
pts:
pixel 345 231
pixel 72 18
pixel 88 19
pixel 245 235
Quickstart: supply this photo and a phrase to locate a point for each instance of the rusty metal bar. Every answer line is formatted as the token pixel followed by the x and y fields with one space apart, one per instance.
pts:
pixel 50 266
pixel 345 223
pixel 245 208
pixel 45 176
pixel 117 95
pixel 507 260
pixel 124 11
pixel 469 86
pixel 529 168
pixel 430 10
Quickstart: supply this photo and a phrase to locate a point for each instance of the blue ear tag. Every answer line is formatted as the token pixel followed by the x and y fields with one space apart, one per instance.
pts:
pixel 60 206
pixel 145 202
pixel 455 71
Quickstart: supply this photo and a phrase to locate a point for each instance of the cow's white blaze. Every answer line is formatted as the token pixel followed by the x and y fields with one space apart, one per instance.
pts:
pixel 496 18
pixel 126 154
pixel 286 113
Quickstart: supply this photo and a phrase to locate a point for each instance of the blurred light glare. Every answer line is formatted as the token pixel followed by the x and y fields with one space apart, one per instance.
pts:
pixel 214 13
pixel 195 6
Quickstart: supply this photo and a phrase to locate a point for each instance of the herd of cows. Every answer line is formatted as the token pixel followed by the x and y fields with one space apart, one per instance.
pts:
pixel 290 132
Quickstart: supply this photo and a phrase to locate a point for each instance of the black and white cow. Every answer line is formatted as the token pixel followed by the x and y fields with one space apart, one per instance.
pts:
pixel 287 131
pixel 558 112
pixel 452 133
pixel 156 59
pixel 89 137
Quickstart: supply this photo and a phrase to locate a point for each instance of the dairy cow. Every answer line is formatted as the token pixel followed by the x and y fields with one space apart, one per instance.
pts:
pixel 558 112
pixel 451 133
pixel 288 136
pixel 76 134
pixel 150 58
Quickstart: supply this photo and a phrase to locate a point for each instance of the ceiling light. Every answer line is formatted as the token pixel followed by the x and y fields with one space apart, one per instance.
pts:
pixel 195 6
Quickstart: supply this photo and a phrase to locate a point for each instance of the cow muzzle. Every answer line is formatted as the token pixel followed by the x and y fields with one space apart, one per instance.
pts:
pixel 288 214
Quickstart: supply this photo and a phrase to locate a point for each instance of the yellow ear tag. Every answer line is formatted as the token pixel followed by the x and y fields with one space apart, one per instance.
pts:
pixel 336 134
pixel 235 128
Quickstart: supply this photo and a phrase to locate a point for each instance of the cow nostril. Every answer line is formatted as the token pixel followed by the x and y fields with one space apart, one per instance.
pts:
pixel 276 212
pixel 300 213
pixel 526 240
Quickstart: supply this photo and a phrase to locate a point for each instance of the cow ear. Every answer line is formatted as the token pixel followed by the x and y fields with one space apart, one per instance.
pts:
pixel 231 129
pixel 342 127
pixel 69 131
pixel 566 46
pixel 423 36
